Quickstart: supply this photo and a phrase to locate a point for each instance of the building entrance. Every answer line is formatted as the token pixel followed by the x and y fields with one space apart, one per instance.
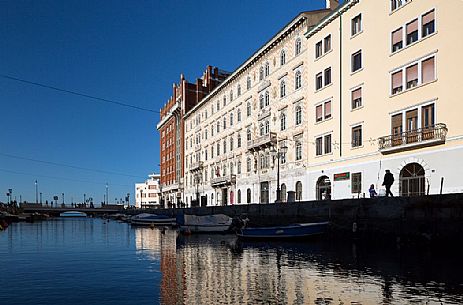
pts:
pixel 323 188
pixel 412 180
pixel 264 192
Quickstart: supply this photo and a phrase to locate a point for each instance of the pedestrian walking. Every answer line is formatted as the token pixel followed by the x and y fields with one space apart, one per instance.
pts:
pixel 388 181
pixel 372 191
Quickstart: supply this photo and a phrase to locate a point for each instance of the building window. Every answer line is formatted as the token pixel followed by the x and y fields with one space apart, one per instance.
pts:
pixel 298 80
pixel 283 122
pixel 298 45
pixel 395 4
pixel 231 143
pixel 218 149
pixel 357 136
pixel 319 113
pixel 224 123
pixel 299 190
pixel 282 89
pixel 224 100
pixel 261 101
pixel 397 85
pixel 318 49
pixel 282 57
pixel 412 31
pixel 248 195
pixel 238 114
pixel 248 135
pixel 357 24
pixel 267 69
pixel 412 76
pixel 231 95
pixel 261 129
pixel 231 119
pixel 248 83
pixel 397 40
pixel 319 81
pixel 267 127
pixel 356 61
pixel 238 90
pixel 298 151
pixel 356 183
pixel 248 165
pixel 261 73
pixel 319 146
pixel 212 151
pixel 327 42
pixel 239 196
pixel 327 144
pixel 427 24
pixel 298 115
pixel 267 98
pixel 356 98
pixel 427 70
pixel 248 109
pixel 327 76
pixel 327 109
pixel 239 141
pixel 218 105
pixel 283 193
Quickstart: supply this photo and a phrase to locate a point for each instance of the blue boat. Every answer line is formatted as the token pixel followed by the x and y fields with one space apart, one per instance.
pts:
pixel 299 230
pixel 146 219
pixel 73 214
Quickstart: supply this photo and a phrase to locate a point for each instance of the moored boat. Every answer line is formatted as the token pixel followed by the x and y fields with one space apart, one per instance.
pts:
pixel 73 214
pixel 217 223
pixel 298 230
pixel 146 219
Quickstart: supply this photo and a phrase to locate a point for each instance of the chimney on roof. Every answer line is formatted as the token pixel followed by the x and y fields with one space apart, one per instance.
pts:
pixel 332 4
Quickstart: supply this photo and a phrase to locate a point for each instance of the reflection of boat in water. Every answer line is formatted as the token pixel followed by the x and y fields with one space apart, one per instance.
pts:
pixel 217 223
pixel 146 219
pixel 299 230
pixel 73 214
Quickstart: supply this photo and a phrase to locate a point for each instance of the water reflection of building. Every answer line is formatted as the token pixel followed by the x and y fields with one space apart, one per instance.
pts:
pixel 148 241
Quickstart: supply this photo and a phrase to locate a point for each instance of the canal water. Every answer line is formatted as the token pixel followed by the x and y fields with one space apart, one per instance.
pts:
pixel 96 261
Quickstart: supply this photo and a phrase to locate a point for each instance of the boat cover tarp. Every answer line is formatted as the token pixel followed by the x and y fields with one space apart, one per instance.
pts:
pixel 206 220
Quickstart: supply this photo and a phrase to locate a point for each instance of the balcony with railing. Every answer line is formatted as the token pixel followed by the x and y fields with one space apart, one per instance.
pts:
pixel 224 180
pixel 196 166
pixel 263 142
pixel 428 136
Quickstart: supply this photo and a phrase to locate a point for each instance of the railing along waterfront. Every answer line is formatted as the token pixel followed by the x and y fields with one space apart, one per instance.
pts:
pixel 432 135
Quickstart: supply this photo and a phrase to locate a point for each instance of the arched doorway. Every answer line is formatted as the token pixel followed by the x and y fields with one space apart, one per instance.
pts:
pixel 412 180
pixel 283 193
pixel 299 190
pixel 248 196
pixel 323 188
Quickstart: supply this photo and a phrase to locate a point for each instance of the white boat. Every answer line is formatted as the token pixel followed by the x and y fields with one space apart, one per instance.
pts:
pixel 216 223
pixel 73 214
pixel 146 219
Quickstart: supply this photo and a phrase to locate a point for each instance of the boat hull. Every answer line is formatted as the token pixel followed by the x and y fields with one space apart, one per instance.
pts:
pixel 152 220
pixel 218 223
pixel 302 230
pixel 73 214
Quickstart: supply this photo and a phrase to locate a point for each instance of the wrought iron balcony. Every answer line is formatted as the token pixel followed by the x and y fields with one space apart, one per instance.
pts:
pixel 224 180
pixel 407 140
pixel 262 142
pixel 196 166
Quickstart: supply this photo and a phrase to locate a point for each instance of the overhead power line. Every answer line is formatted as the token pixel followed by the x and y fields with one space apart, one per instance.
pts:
pixel 100 99
pixel 70 166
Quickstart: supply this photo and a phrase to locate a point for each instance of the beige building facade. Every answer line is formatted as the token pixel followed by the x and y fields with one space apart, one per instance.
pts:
pixel 346 92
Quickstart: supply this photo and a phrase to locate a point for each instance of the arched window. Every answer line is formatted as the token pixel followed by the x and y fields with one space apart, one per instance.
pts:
pixel 231 143
pixel 267 69
pixel 218 148
pixel 282 89
pixel 297 47
pixel 218 126
pixel 412 180
pixel 282 57
pixel 224 146
pixel 231 118
pixel 238 90
pixel 231 95
pixel 224 123
pixel 239 115
pixel 298 80
pixel 283 192
pixel 238 167
pixel 262 129
pixel 261 101
pixel 299 190
pixel 248 196
pixel 248 135
pixel 267 98
pixel 261 73
pixel 231 168
pixel 238 141
pixel 323 188
pixel 239 196
pixel 298 150
pixel 218 105
pixel 248 83
pixel 248 165
pixel 267 127
pixel 224 170
pixel 248 109
pixel 283 121
pixel 298 115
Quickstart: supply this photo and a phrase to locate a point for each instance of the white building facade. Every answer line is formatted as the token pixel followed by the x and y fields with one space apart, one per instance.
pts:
pixel 148 193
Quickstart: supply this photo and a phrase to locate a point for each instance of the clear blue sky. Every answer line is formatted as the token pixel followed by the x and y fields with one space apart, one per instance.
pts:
pixel 127 51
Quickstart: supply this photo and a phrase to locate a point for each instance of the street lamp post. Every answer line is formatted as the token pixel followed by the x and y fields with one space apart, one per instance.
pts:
pixel 63 198
pixel 280 152
pixel 141 198
pixel 40 198
pixel 107 198
pixel 36 192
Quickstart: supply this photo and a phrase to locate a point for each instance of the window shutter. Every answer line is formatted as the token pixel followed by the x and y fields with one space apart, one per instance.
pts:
pixel 428 70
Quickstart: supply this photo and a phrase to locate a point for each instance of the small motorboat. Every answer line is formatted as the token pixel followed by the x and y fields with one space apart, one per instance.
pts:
pixel 146 219
pixel 298 230
pixel 217 223
pixel 73 214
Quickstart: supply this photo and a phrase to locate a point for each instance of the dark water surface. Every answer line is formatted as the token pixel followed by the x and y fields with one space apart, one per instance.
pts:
pixel 93 261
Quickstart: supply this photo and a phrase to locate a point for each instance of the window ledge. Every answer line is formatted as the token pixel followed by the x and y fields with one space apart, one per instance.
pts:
pixel 324 120
pixel 412 44
pixel 414 88
pixel 358 108
pixel 356 147
pixel 356 34
pixel 323 55
pixel 321 89
pixel 356 71
pixel 399 8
